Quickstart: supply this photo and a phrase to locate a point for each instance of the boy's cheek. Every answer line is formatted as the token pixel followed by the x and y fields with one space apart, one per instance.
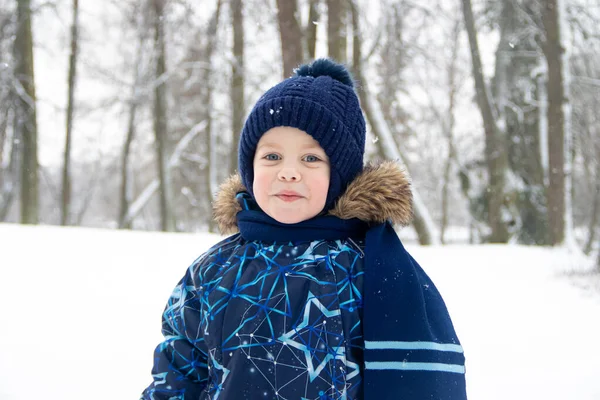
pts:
pixel 260 184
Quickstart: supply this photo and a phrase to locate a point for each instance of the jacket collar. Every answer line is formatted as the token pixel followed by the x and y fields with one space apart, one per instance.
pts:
pixel 381 192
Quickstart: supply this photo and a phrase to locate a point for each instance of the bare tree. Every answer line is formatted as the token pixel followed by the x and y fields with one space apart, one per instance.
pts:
pixel 422 221
pixel 598 258
pixel 593 223
pixel 8 165
pixel 311 28
pixel 337 21
pixel 585 81
pixel 586 122
pixel 392 65
pixel 125 154
pixel 558 120
pixel 448 126
pixel 519 104
pixel 160 118
pixel 25 118
pixel 237 79
pixel 193 92
pixel 5 94
pixel 210 173
pixel 8 159
pixel 495 146
pixel 291 36
pixel 133 106
pixel 72 79
pixel 139 204
pixel 594 184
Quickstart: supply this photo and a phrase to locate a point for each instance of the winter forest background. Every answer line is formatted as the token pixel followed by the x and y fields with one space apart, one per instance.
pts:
pixel 126 113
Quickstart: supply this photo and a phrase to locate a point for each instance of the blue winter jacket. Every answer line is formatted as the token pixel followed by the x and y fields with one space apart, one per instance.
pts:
pixel 276 312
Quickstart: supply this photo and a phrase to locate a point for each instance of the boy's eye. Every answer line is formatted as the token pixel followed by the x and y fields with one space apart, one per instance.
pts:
pixel 271 157
pixel 310 158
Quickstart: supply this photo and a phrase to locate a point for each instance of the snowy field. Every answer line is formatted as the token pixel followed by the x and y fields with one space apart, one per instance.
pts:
pixel 81 308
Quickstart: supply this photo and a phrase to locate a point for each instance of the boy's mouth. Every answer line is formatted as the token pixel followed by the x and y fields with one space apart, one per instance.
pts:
pixel 288 195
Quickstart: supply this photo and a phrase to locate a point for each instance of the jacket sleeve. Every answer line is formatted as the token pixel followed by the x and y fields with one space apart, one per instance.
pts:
pixel 180 368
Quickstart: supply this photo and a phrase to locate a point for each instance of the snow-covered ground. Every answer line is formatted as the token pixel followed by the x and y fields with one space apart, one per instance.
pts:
pixel 80 313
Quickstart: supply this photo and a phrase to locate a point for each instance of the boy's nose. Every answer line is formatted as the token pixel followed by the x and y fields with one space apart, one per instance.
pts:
pixel 289 174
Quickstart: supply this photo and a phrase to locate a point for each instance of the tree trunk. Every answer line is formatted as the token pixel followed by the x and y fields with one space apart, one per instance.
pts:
pixel 134 102
pixel 593 223
pixel 4 111
pixel 558 123
pixel 291 36
pixel 9 177
pixel 210 172
pixel 6 178
pixel 336 29
pixel 519 121
pixel 237 80
pixel 25 116
pixel 7 166
pixel 160 120
pixel 543 127
pixel 92 186
pixel 503 59
pixel 598 258
pixel 449 130
pixel 126 151
pixel 66 177
pixel 311 28
pixel 495 147
pixel 356 39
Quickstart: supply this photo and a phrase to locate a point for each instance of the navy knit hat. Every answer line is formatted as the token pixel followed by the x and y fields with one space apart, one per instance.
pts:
pixel 319 100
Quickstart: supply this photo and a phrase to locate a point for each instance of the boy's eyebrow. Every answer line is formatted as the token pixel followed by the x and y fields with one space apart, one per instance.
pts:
pixel 313 146
pixel 303 147
pixel 267 144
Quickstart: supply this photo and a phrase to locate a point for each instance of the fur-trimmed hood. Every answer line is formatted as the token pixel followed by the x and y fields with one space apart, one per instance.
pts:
pixel 380 192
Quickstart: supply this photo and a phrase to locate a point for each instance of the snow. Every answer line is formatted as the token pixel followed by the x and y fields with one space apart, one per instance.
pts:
pixel 81 313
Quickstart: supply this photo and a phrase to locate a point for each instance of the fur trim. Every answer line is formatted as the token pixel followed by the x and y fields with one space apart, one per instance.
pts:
pixel 380 192
pixel 226 206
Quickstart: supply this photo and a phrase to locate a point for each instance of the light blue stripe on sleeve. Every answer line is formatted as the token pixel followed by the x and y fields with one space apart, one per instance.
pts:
pixel 414 366
pixel 394 345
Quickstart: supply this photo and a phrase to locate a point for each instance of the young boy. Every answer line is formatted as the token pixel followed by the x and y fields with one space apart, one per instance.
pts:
pixel 315 297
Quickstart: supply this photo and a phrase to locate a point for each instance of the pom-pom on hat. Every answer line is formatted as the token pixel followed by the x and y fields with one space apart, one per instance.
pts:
pixel 319 100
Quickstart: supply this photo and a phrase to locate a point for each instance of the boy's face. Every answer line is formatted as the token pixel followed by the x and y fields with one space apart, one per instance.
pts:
pixel 291 175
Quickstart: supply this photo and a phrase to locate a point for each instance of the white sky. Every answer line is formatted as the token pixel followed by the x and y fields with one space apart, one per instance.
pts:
pixel 81 312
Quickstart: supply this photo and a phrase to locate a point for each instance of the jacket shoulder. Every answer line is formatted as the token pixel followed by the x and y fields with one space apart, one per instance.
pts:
pixel 206 265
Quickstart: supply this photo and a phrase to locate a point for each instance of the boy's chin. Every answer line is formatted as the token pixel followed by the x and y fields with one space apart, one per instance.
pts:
pixel 291 217
pixel 289 220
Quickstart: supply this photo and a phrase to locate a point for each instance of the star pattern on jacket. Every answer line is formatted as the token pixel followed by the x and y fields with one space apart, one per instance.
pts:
pixel 312 338
pixel 273 314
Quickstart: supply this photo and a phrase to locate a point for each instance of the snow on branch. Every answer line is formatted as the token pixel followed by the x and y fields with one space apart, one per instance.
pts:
pixel 140 202
pixel 392 152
